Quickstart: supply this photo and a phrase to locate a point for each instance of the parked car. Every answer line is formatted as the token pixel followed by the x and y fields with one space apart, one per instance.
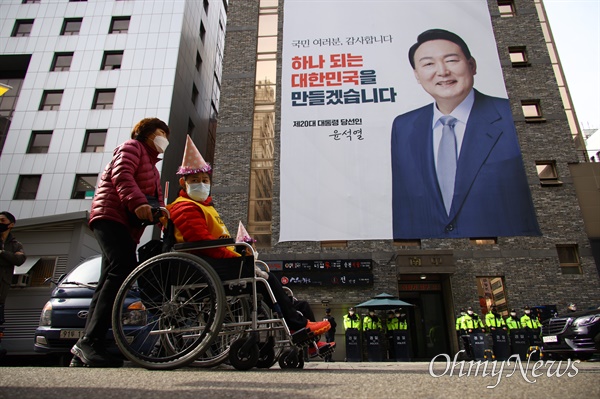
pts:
pixel 63 317
pixel 574 335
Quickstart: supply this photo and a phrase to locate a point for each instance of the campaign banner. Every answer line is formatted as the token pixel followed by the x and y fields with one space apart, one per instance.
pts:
pixel 346 77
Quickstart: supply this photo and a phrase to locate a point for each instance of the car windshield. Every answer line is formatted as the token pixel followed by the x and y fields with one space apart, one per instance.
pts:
pixel 87 272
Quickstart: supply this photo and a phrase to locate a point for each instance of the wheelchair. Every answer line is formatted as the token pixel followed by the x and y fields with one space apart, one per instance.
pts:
pixel 178 309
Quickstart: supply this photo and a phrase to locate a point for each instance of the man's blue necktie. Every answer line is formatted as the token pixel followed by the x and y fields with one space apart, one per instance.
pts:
pixel 446 160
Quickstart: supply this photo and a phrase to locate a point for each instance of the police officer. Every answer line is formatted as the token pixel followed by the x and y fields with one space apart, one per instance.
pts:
pixel 371 321
pixel 494 320
pixel 352 326
pixel 351 320
pixel 459 321
pixel 529 321
pixel 472 321
pixel 401 316
pixel 513 322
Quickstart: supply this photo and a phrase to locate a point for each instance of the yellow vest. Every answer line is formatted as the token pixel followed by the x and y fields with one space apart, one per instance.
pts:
pixel 215 225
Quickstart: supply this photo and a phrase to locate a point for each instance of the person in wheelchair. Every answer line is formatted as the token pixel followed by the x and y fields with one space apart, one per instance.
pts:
pixel 196 219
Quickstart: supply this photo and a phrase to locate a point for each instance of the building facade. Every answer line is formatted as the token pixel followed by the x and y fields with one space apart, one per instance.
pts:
pixel 437 276
pixel 81 74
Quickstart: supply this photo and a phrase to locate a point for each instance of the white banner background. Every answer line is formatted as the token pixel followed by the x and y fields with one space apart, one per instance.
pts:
pixel 341 189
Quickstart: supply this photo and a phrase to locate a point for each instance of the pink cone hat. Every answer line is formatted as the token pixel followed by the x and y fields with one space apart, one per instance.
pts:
pixel 192 160
pixel 242 235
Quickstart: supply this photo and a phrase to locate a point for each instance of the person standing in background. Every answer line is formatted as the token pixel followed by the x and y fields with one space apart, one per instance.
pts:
pixel 11 255
pixel 329 335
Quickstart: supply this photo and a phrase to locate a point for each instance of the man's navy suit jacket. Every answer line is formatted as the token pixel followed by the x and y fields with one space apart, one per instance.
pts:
pixel 491 195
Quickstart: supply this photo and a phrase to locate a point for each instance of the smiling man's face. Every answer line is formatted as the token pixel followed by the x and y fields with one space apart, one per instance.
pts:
pixel 444 72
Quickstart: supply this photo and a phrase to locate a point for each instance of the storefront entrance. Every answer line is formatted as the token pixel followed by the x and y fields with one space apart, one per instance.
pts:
pixel 428 318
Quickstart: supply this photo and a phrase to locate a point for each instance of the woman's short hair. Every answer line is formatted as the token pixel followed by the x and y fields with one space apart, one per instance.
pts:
pixel 144 128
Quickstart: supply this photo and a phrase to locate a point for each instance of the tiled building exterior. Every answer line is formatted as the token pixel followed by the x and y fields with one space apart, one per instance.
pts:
pixel 457 273
pixel 151 58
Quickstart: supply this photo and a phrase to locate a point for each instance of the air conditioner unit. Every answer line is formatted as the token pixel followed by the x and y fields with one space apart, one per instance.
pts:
pixel 20 280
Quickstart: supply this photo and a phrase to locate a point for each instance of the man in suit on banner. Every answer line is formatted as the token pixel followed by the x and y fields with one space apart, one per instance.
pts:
pixel 457 169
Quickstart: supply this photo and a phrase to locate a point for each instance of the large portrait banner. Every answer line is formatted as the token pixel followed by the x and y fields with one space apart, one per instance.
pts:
pixel 395 123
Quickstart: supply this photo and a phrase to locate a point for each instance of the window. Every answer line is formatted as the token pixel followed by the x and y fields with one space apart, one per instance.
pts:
pixel 39 142
pixel 61 62
pixel 194 94
pixel 27 187
pixel 532 110
pixel 30 1
pixel 484 241
pixel 568 257
pixel 34 272
pixel 198 62
pixel 22 28
pixel 547 173
pixel 119 25
pixel 506 8
pixel 94 141
pixel 202 31
pixel 111 60
pixel 104 99
pixel 71 26
pixel 492 292
pixel 84 186
pixel 190 129
pixel 206 6
pixel 51 100
pixel 518 56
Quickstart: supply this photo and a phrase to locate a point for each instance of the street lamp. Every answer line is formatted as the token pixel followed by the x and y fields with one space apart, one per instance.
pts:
pixel 4 88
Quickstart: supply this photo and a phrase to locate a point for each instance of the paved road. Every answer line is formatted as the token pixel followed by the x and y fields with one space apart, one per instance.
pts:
pixel 318 380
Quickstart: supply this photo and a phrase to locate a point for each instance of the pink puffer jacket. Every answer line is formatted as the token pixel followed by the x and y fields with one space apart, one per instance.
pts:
pixel 124 184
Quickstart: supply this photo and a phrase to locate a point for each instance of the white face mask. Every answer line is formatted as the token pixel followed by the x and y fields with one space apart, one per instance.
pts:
pixel 161 143
pixel 198 191
pixel 351 313
pixel 513 314
pixel 470 312
pixel 527 311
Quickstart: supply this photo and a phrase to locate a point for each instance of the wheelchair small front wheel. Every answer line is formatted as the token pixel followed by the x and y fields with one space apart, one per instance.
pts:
pixel 243 358
pixel 290 359
pixel 266 356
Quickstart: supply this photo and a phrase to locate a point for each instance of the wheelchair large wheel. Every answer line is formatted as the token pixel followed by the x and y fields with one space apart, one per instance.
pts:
pixel 168 311
pixel 237 310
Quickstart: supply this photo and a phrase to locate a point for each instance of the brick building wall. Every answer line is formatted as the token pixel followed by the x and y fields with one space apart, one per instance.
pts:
pixel 529 265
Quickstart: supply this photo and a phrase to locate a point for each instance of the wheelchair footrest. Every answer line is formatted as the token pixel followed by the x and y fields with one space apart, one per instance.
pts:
pixel 302 337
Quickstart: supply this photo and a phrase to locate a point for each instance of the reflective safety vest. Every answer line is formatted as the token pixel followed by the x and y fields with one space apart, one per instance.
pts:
pixel 459 321
pixel 530 322
pixel 396 324
pixel 470 322
pixel 351 321
pixel 513 323
pixel 370 324
pixel 493 321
